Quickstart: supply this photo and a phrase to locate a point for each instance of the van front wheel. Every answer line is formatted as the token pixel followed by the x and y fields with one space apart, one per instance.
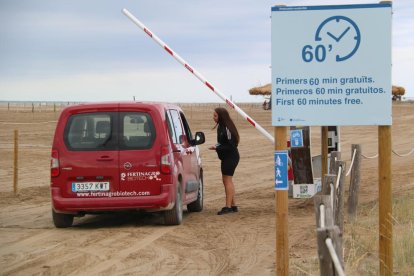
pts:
pixel 62 220
pixel 175 215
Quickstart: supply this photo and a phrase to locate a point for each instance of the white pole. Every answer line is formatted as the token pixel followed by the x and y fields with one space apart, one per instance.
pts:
pixel 198 75
pixel 322 216
pixel 334 257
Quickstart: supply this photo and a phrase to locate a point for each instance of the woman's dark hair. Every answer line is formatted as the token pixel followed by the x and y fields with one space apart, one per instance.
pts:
pixel 225 120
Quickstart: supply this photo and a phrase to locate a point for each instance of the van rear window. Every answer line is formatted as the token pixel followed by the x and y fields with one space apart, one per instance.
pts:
pixel 137 130
pixel 110 131
pixel 92 131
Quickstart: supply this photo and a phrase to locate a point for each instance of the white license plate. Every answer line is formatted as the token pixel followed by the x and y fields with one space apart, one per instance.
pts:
pixel 89 186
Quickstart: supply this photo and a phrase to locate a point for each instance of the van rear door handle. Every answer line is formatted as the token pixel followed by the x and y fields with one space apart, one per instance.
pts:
pixel 104 158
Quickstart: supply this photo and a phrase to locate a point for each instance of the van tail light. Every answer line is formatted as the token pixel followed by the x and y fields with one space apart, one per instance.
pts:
pixel 54 164
pixel 166 160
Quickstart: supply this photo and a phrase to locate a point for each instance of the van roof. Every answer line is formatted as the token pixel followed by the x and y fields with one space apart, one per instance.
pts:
pixel 120 105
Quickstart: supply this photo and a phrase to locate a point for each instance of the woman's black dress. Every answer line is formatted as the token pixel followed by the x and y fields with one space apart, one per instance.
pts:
pixel 227 150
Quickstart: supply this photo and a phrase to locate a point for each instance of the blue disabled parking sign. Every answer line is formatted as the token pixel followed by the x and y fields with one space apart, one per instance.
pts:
pixel 281 170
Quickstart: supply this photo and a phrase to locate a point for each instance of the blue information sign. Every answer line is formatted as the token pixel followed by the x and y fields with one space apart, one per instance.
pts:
pixel 296 138
pixel 331 65
pixel 281 170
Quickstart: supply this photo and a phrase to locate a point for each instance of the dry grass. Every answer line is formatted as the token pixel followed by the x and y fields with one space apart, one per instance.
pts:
pixel 361 239
pixel 404 235
pixel 360 242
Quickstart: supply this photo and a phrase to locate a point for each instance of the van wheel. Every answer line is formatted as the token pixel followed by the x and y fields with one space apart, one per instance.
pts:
pixel 62 220
pixel 175 215
pixel 197 206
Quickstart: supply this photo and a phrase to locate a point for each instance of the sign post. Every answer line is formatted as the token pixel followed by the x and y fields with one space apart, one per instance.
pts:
pixel 331 67
pixel 281 204
pixel 385 200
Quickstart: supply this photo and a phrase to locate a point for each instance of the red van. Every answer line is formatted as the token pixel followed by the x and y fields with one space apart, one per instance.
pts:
pixel 125 156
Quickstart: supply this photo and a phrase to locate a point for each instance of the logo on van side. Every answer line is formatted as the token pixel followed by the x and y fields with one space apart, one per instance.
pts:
pixel 127 166
pixel 134 176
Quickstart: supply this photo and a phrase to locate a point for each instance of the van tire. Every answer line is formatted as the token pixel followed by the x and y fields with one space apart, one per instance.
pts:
pixel 62 220
pixel 197 206
pixel 175 215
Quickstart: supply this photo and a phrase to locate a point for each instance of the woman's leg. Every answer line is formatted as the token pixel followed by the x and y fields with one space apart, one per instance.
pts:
pixel 229 189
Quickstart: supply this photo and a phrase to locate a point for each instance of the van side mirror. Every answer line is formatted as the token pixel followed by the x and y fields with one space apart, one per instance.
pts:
pixel 198 139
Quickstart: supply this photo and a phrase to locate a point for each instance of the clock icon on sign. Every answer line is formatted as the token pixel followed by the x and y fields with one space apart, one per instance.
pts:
pixel 341 34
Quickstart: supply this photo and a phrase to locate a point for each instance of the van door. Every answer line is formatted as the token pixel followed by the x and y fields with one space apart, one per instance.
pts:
pixel 89 166
pixel 193 166
pixel 139 159
pixel 184 153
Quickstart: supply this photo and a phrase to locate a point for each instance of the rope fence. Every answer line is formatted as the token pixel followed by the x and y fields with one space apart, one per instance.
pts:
pixel 369 157
pixel 393 151
pixel 352 162
pixel 403 155
pixel 329 208
pixel 329 221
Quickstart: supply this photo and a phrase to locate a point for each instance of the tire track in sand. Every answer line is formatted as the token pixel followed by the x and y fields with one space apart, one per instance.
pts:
pixel 116 258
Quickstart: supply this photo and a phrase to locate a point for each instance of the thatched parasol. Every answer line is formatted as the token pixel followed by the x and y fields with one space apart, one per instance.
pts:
pixel 398 90
pixel 261 90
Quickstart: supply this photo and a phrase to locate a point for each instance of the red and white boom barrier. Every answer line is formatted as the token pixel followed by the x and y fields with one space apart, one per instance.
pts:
pixel 198 75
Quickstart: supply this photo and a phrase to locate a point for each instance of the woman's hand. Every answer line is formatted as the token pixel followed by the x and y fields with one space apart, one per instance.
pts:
pixel 212 148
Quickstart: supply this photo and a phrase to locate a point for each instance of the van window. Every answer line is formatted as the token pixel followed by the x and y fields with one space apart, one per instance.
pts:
pixel 178 130
pixel 92 131
pixel 186 127
pixel 137 130
pixel 171 130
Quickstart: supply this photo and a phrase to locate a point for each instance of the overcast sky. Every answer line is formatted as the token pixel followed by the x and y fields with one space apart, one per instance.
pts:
pixel 60 50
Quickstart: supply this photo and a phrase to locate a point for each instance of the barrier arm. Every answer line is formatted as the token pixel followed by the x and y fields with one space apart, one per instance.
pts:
pixel 198 75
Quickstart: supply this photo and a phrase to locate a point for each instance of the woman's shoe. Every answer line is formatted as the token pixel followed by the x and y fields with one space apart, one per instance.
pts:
pixel 235 208
pixel 225 210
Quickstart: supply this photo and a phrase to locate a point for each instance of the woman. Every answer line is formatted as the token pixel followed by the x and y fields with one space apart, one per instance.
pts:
pixel 226 148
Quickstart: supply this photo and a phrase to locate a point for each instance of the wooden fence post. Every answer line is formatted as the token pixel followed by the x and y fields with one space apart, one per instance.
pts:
pixel 354 181
pixel 339 196
pixel 327 229
pixel 327 267
pixel 16 161
pixel 329 179
pixel 323 253
pixel 335 156
pixel 336 236
pixel 324 152
pixel 326 201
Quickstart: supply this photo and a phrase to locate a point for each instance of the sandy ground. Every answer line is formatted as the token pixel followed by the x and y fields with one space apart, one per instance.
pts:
pixel 205 244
